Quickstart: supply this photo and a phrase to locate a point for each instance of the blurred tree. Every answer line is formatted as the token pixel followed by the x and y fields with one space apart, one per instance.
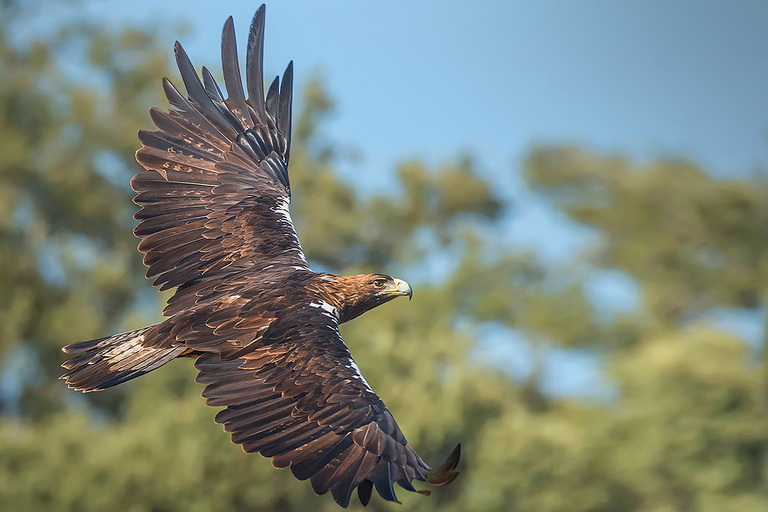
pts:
pixel 686 428
pixel 66 156
pixel 690 430
pixel 695 242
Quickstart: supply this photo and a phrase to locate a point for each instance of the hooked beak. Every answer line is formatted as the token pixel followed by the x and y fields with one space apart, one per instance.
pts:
pixel 399 287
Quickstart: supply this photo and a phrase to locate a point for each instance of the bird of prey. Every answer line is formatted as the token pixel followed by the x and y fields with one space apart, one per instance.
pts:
pixel 214 224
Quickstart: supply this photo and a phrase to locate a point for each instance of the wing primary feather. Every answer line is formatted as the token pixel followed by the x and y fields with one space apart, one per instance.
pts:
pixel 196 91
pixel 322 480
pixel 231 71
pixel 211 87
pixel 253 65
pixel 364 491
pixel 350 475
pixel 272 98
pixel 214 93
pixel 244 142
pixel 169 123
pixel 284 108
pixel 168 143
pixel 312 465
pixel 384 482
pixel 307 451
pixel 341 481
pixel 176 99
pixel 269 165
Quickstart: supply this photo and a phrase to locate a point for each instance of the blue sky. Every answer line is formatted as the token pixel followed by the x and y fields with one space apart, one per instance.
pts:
pixel 436 79
pixel 646 78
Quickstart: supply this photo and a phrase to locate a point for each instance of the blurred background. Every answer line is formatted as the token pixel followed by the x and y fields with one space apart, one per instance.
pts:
pixel 575 190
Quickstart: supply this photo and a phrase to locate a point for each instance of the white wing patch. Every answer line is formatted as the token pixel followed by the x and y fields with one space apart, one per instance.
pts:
pixel 327 309
pixel 283 209
pixel 358 374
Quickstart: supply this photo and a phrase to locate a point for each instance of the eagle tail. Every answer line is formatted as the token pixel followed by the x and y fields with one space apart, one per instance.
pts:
pixel 106 362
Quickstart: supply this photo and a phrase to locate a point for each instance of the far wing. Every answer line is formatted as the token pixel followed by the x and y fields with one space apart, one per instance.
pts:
pixel 215 194
pixel 300 399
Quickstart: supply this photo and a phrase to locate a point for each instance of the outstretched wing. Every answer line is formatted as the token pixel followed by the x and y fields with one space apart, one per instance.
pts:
pixel 215 194
pixel 300 399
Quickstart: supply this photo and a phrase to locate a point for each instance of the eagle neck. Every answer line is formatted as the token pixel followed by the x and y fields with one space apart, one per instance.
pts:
pixel 343 292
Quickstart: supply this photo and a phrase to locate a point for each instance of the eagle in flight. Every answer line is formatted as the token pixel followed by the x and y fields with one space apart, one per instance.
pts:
pixel 214 224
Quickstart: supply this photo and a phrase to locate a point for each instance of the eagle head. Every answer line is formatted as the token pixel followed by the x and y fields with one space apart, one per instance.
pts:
pixel 364 292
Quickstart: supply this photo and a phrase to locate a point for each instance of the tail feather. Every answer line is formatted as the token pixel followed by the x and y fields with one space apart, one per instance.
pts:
pixel 106 362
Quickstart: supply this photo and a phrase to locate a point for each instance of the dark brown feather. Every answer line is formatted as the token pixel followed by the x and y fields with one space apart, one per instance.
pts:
pixel 214 223
pixel 299 397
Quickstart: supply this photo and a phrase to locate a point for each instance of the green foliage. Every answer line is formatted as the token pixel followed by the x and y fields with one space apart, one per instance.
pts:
pixel 694 241
pixel 685 430
pixel 66 155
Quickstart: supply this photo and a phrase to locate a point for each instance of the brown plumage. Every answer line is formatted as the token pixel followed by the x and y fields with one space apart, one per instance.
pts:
pixel 214 223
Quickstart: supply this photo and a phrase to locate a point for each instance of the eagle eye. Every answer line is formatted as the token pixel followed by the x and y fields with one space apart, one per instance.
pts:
pixel 378 283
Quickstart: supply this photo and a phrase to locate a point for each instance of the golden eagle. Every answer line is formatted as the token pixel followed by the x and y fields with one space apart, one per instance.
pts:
pixel 214 223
